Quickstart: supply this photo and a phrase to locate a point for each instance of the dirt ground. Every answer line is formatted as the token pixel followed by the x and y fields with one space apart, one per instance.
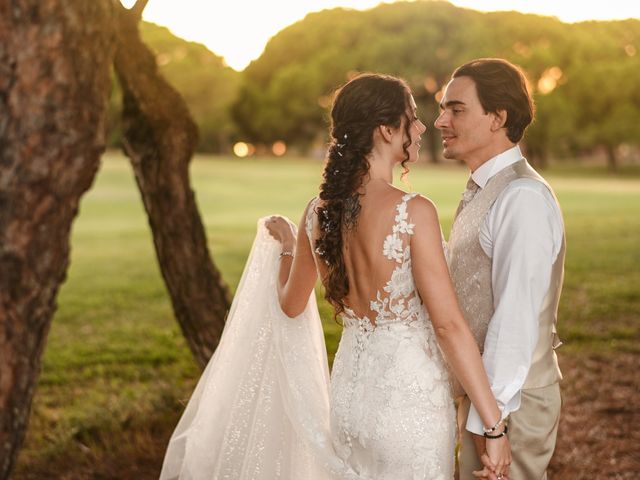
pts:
pixel 599 435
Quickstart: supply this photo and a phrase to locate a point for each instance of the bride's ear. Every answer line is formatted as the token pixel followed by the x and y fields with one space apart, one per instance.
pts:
pixel 386 132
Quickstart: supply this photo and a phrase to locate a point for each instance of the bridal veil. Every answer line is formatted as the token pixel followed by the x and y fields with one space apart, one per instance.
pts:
pixel 260 411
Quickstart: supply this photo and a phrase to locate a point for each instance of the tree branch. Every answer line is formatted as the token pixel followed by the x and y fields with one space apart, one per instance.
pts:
pixel 137 9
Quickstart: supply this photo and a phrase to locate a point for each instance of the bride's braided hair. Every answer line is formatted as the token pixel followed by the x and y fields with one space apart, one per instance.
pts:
pixel 363 104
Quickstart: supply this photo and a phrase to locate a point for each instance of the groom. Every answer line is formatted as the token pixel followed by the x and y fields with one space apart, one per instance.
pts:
pixel 507 250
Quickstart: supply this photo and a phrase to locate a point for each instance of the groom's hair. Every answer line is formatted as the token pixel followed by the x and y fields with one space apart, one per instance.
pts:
pixel 501 86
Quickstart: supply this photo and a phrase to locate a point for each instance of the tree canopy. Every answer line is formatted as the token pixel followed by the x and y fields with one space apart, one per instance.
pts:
pixel 582 75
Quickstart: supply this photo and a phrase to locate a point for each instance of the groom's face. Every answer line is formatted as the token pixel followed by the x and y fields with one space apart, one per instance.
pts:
pixel 464 125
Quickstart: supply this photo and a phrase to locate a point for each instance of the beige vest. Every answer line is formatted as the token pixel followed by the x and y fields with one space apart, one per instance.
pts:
pixel 471 273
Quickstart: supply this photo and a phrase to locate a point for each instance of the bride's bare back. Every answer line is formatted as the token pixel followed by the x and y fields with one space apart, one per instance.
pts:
pixel 367 269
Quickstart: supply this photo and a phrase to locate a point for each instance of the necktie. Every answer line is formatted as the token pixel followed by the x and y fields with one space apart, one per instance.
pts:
pixel 468 194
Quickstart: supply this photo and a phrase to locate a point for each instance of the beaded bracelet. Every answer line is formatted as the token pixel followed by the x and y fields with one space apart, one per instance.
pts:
pixel 494 428
pixel 500 435
pixel 286 254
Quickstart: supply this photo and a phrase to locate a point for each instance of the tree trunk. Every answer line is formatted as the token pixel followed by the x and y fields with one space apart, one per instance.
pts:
pixel 159 137
pixel 612 158
pixel 55 60
pixel 537 155
pixel 432 139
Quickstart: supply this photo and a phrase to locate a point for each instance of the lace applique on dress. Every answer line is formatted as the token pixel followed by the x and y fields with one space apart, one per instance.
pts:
pixel 399 300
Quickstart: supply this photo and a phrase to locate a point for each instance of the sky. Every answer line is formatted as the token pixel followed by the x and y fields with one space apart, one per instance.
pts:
pixel 238 30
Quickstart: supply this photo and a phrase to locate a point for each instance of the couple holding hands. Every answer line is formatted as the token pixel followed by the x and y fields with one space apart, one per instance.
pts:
pixel 440 341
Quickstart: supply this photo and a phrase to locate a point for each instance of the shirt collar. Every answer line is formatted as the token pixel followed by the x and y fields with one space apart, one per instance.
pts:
pixel 489 168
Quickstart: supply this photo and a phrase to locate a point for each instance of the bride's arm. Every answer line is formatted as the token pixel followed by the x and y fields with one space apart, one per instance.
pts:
pixel 454 337
pixel 297 274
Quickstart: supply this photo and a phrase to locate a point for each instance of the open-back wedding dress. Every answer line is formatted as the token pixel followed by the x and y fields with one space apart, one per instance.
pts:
pixel 261 409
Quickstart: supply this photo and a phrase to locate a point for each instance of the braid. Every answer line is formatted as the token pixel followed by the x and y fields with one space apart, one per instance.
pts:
pixel 343 175
pixel 360 106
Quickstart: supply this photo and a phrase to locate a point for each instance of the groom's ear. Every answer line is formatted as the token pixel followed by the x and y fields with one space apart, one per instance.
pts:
pixel 499 120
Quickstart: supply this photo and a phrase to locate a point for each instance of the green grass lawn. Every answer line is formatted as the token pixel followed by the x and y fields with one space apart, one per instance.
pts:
pixel 116 370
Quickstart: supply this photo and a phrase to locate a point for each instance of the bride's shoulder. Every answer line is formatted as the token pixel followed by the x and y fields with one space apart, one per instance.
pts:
pixel 314 201
pixel 310 211
pixel 421 203
pixel 422 209
pixel 312 206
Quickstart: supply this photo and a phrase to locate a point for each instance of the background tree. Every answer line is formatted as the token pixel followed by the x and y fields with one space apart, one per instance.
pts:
pixel 604 81
pixel 285 93
pixel 207 85
pixel 54 84
pixel 159 136
pixel 55 77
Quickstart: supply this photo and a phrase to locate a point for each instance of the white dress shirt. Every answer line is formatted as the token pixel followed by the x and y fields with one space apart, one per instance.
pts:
pixel 522 235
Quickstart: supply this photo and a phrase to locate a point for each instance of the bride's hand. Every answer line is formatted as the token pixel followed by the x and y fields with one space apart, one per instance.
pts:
pixel 487 469
pixel 281 230
pixel 499 451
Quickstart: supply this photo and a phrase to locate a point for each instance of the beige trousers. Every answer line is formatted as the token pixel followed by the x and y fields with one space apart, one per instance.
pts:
pixel 532 433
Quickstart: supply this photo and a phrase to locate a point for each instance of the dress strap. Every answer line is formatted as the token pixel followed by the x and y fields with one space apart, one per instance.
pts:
pixel 401 225
pixel 393 247
pixel 308 223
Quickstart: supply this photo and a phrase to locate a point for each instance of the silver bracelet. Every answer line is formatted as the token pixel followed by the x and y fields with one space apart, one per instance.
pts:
pixel 286 254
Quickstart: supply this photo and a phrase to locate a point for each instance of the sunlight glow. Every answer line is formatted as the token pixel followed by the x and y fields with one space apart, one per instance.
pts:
pixel 238 30
pixel 241 149
pixel 279 148
pixel 549 80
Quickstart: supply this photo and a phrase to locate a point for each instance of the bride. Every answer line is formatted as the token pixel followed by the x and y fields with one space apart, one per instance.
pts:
pixel 263 408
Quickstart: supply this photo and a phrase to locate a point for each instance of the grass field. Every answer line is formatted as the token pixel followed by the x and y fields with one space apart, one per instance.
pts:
pixel 116 371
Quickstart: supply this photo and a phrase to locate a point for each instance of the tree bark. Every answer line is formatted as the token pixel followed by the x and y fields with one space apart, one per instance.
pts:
pixel 428 106
pixel 433 141
pixel 612 158
pixel 159 136
pixel 55 60
pixel 537 155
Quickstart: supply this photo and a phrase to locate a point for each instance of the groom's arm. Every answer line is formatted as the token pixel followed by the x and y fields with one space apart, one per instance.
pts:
pixel 522 235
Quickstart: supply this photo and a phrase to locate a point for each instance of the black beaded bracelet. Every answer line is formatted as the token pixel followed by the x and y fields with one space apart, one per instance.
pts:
pixel 500 435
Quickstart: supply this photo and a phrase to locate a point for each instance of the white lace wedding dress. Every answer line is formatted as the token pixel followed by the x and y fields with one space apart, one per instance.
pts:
pixel 392 414
pixel 261 410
